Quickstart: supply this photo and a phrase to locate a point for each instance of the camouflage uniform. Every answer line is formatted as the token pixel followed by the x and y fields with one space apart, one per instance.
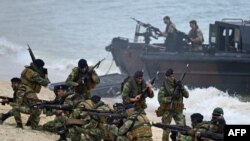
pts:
pixel 170 108
pixel 58 125
pixel 106 135
pixel 15 83
pixel 83 90
pixel 135 128
pixel 31 84
pixel 132 89
pixel 88 131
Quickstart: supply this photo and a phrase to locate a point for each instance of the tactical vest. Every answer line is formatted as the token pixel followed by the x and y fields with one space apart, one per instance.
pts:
pixel 136 89
pixel 141 128
pixel 26 78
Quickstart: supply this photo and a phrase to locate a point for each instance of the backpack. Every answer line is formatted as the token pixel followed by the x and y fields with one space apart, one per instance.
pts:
pixel 124 82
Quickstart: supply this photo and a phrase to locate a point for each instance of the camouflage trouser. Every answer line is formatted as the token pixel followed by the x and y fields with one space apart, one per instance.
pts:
pixel 34 117
pixel 122 138
pixel 77 133
pixel 167 118
pixel 57 125
pixel 181 137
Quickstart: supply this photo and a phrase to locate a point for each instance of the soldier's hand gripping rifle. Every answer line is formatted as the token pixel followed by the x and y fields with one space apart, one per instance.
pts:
pixel 42 71
pixel 151 82
pixel 179 85
pixel 85 78
pixel 6 100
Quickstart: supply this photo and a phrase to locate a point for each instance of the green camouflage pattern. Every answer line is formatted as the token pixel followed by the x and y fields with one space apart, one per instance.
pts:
pixel 165 97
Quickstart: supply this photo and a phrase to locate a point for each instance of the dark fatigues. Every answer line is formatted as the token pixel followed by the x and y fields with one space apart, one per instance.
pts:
pixel 135 128
pixel 170 108
pixel 131 89
pixel 31 82
pixel 83 90
pixel 171 36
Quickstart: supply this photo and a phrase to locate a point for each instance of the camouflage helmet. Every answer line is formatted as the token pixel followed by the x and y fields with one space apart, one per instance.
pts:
pixel 218 111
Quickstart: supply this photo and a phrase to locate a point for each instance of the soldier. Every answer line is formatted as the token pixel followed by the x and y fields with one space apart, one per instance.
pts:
pixel 15 83
pixel 170 33
pixel 32 78
pixel 89 130
pixel 170 98
pixel 136 91
pixel 195 36
pixel 80 85
pixel 135 128
pixel 208 130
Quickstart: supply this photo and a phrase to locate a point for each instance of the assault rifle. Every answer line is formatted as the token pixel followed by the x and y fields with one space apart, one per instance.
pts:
pixel 6 100
pixel 151 81
pixel 185 129
pixel 176 128
pixel 179 87
pixel 151 31
pixel 85 78
pixel 42 71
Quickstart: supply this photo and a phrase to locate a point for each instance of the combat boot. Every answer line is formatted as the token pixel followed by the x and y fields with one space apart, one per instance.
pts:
pixel 62 137
pixel 19 125
pixel 28 123
pixel 3 117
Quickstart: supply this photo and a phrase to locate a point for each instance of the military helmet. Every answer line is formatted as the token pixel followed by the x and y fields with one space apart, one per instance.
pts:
pixel 218 111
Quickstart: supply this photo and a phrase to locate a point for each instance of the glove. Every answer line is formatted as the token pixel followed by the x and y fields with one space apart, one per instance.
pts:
pixel 179 84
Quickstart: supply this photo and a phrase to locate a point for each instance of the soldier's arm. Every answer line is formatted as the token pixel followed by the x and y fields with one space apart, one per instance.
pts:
pixel 162 96
pixel 199 37
pixel 40 80
pixel 185 93
pixel 72 76
pixel 124 128
pixel 125 93
pixel 150 92
pixel 95 78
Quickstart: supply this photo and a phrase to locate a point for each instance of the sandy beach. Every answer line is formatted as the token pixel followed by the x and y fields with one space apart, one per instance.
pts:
pixel 8 131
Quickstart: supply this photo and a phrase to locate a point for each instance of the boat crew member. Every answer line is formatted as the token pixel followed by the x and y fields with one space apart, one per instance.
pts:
pixel 195 36
pixel 170 33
